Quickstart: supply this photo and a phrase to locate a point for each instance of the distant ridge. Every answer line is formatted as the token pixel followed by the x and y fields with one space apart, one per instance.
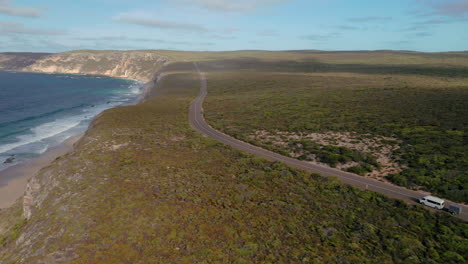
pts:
pixel 19 60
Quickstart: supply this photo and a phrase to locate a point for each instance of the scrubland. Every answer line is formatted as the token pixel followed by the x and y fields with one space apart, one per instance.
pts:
pixel 143 187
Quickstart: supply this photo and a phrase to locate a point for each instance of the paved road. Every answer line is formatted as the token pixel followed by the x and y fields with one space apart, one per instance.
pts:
pixel 198 122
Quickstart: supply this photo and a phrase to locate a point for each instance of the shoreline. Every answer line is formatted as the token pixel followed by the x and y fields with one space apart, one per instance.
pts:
pixel 13 180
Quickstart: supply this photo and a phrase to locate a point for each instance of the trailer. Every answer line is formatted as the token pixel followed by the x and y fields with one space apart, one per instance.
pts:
pixel 454 209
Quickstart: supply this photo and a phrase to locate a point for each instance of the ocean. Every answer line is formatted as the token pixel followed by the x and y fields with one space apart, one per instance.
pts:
pixel 40 111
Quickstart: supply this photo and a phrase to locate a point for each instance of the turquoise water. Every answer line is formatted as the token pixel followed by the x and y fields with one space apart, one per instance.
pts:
pixel 40 111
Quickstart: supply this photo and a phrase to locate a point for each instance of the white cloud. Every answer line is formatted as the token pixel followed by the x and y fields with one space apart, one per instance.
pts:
pixel 18 28
pixel 370 19
pixel 108 39
pixel 230 5
pixel 267 33
pixel 320 37
pixel 6 9
pixel 449 8
pixel 145 21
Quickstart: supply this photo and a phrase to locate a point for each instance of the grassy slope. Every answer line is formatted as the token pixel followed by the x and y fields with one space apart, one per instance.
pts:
pixel 11 223
pixel 169 195
pixel 422 99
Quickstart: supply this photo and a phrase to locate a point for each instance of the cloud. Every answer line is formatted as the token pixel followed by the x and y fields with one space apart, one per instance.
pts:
pixel 398 42
pixel 425 25
pixel 18 28
pixel 138 19
pixel 6 9
pixel 146 40
pixel 433 22
pixel 415 27
pixel 220 37
pixel 267 33
pixel 230 30
pixel 231 6
pixel 345 27
pixel 422 34
pixel 26 43
pixel 320 37
pixel 449 8
pixel 370 19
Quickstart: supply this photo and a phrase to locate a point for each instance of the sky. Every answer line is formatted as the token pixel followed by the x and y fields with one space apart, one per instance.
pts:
pixel 214 25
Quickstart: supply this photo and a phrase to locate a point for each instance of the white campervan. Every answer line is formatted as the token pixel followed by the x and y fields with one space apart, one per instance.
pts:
pixel 432 201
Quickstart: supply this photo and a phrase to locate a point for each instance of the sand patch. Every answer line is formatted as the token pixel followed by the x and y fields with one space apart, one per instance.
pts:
pixel 382 148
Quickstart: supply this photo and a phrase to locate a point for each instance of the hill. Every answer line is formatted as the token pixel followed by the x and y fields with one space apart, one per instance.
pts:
pixel 19 60
pixel 133 64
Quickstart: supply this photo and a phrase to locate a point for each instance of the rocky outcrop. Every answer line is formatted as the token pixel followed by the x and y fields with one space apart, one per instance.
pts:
pixel 141 65
pixel 9 160
pixel 32 190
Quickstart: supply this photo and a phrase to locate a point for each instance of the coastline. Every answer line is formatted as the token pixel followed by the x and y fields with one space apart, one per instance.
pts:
pixel 13 180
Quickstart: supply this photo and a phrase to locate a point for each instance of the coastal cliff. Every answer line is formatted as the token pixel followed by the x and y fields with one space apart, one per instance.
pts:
pixel 140 65
pixel 15 61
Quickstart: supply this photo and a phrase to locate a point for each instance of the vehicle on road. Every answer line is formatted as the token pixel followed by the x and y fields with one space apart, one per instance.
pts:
pixel 455 209
pixel 433 202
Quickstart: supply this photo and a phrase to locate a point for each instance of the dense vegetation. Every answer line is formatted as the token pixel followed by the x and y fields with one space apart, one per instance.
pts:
pixel 333 155
pixel 143 187
pixel 424 106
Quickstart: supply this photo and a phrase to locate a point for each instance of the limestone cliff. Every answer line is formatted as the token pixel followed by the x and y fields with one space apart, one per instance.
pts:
pixel 16 61
pixel 141 65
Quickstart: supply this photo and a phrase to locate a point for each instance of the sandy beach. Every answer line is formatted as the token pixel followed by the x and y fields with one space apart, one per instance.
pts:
pixel 14 179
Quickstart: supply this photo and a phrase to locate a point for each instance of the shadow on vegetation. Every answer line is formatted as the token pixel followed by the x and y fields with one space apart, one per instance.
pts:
pixel 439 55
pixel 179 67
pixel 314 65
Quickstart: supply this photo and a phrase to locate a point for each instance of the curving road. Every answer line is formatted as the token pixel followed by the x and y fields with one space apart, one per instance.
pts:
pixel 197 121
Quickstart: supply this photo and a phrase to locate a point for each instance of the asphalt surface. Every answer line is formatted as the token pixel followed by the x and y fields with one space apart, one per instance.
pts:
pixel 197 121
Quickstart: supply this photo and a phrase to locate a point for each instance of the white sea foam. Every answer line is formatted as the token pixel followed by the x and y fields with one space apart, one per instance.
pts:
pixel 43 149
pixel 52 129
pixel 43 131
pixel 136 88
